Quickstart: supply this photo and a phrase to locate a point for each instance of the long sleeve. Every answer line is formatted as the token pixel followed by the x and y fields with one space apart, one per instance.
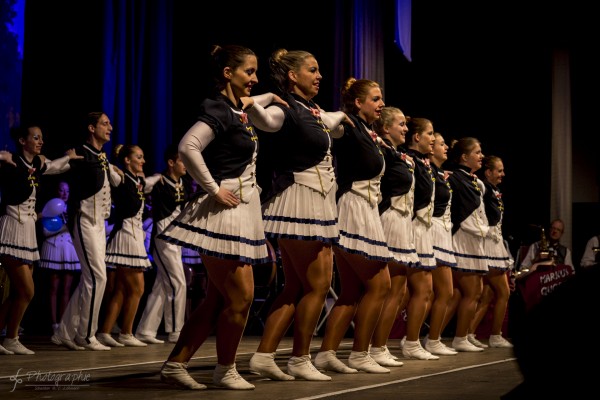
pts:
pixel 190 150
pixel 58 166
pixel 530 256
pixel 333 119
pixel 266 119
pixel 151 181
pixel 589 256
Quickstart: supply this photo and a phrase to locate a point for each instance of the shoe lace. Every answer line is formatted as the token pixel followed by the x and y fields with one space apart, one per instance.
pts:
pixel 18 345
pixel 311 367
pixel 233 374
pixel 369 360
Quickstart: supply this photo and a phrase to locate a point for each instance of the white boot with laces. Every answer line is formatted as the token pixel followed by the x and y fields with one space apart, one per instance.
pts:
pixel 303 368
pixel 383 357
pixel 328 361
pixel 175 373
pixel 107 340
pixel 227 377
pixel 463 344
pixel 471 338
pixel 362 361
pixel 264 365
pixel 499 341
pixel 438 348
pixel 16 347
pixel 413 349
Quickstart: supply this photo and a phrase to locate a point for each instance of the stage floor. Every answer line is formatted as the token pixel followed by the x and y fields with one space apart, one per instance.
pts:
pixel 133 373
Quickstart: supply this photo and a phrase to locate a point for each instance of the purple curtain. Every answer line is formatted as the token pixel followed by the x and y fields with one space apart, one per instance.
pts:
pixel 137 75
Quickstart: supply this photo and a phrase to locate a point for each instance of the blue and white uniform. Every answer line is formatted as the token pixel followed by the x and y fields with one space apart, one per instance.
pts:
pixel 17 208
pixel 227 158
pixel 396 207
pixel 168 296
pixel 469 222
pixel 89 206
pixel 441 227
pixel 360 166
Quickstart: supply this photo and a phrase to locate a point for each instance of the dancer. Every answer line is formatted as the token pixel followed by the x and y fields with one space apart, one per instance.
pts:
pixel 224 224
pixel 443 251
pixel 88 208
pixel 18 243
pixel 396 209
pixel 495 283
pixel 469 229
pixel 299 213
pixel 362 253
pixel 125 249
pixel 168 296
pixel 420 139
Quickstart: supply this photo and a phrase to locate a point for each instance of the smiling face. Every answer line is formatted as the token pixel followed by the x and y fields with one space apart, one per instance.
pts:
pixel 135 161
pixel 244 77
pixel 306 79
pixel 474 158
pixel 33 142
pixel 439 153
pixel 370 108
pixel 397 129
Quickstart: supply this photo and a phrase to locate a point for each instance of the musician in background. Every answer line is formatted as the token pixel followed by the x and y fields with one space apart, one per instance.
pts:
pixel 557 253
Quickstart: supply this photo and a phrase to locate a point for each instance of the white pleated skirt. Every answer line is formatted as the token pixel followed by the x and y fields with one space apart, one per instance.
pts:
pixel 469 252
pixel 127 247
pixel 424 245
pixel 498 257
pixel 213 229
pixel 18 239
pixel 302 213
pixel 398 231
pixel 361 231
pixel 443 252
pixel 58 253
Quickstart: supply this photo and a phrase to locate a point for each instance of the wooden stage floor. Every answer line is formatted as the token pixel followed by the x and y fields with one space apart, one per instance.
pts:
pixel 133 373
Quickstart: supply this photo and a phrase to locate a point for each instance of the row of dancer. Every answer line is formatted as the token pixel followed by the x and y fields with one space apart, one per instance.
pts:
pixel 88 209
pixel 300 212
pixel 310 174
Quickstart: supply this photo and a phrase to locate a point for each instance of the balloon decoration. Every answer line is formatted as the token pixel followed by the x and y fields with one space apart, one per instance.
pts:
pixel 53 208
pixel 52 224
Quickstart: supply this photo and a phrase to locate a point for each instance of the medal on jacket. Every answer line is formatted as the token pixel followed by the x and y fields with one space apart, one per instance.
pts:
pixel 31 170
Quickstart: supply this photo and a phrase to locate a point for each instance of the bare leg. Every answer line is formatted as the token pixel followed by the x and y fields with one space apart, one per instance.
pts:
pixel 442 288
pixel 471 287
pixel 226 306
pixel 54 287
pixel 313 263
pixel 113 304
pixel 487 296
pixel 392 304
pixel 67 281
pixel 421 287
pixel 499 282
pixel 133 284
pixel 21 294
pixel 364 305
